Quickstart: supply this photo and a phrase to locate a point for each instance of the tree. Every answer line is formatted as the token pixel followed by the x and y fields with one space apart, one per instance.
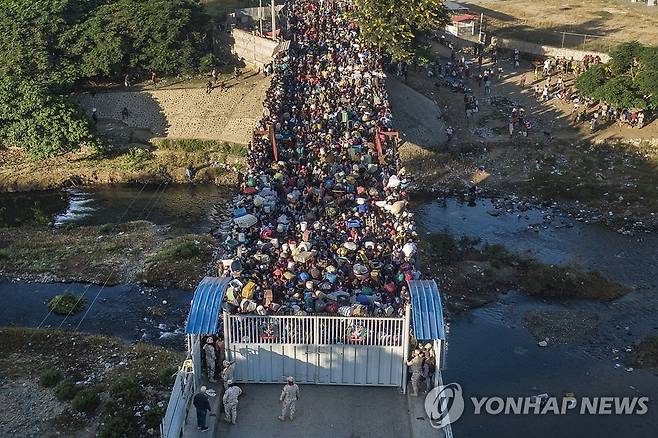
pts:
pixel 590 82
pixel 629 80
pixel 401 28
pixel 622 57
pixel 63 41
pixel 42 123
pixel 166 35
pixel 29 37
pixel 621 92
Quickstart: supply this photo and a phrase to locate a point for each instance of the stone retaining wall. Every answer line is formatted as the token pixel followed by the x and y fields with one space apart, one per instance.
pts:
pixel 254 50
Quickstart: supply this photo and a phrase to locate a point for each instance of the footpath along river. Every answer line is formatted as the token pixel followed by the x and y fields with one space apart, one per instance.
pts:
pixel 490 352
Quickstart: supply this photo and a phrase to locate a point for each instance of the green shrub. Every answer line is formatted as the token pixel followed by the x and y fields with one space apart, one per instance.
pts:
pixel 117 426
pixel 208 61
pixel 189 145
pixel 87 400
pixel 66 304
pixel 153 417
pixel 497 255
pixel 126 389
pixel 39 121
pixel 50 377
pixel 569 282
pixel 443 247
pixel 106 228
pixel 181 248
pixel 167 376
pixel 136 158
pixel 66 390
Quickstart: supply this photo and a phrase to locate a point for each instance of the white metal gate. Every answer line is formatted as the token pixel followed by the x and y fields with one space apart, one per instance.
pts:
pixel 328 350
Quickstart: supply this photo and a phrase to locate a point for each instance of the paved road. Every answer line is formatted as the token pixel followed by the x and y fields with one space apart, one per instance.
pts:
pixel 322 412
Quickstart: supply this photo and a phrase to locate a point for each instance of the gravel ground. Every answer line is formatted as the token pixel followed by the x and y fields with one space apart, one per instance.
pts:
pixel 560 326
pixel 27 409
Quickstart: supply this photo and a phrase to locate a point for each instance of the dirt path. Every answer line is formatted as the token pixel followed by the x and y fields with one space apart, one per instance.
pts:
pixel 181 110
pixel 416 116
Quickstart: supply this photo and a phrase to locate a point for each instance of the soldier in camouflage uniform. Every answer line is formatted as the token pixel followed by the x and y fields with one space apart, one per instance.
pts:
pixel 416 364
pixel 289 397
pixel 231 402
pixel 211 358
pixel 227 372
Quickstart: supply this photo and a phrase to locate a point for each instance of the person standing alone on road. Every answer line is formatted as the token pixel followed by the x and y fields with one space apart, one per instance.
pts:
pixel 231 402
pixel 202 405
pixel 289 397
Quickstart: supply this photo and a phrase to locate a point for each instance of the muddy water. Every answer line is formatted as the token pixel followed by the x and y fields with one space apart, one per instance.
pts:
pixel 490 352
pixel 121 311
pixel 188 208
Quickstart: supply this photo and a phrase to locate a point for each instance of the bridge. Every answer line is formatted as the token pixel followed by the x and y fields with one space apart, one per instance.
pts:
pixel 317 278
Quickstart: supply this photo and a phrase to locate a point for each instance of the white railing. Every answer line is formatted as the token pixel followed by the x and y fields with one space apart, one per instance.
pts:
pixel 317 330
pixel 179 401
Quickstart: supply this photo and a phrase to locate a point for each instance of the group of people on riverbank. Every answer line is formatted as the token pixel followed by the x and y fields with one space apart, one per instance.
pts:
pixel 321 225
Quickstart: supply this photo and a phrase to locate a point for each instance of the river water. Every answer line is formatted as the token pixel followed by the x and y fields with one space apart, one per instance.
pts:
pixel 490 352
pixel 188 208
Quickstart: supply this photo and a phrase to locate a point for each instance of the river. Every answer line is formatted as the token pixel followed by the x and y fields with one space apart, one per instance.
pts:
pixel 490 352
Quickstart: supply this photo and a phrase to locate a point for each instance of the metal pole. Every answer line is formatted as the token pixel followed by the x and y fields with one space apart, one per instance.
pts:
pixel 260 16
pixel 563 35
pixel 405 347
pixel 273 21
pixel 227 336
pixel 480 33
pixel 438 356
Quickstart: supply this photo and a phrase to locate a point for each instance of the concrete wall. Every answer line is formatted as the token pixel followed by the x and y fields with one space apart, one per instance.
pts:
pixel 254 50
pixel 538 49
pixel 525 47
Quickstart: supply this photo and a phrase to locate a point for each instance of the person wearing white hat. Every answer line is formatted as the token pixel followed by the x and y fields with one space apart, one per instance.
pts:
pixel 230 400
pixel 289 397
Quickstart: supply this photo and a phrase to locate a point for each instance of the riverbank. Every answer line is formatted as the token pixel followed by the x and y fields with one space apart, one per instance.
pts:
pixel 471 274
pixel 615 184
pixel 105 254
pixel 103 387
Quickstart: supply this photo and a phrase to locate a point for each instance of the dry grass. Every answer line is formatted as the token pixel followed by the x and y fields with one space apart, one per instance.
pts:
pixel 121 253
pixel 543 22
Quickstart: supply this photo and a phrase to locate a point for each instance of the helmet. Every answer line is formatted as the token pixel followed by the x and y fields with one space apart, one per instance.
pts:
pixel 291 379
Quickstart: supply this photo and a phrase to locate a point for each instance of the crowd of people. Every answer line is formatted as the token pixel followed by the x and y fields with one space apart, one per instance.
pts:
pixel 552 84
pixel 321 224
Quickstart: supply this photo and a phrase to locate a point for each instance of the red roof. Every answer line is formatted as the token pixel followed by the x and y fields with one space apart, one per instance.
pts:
pixel 464 17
